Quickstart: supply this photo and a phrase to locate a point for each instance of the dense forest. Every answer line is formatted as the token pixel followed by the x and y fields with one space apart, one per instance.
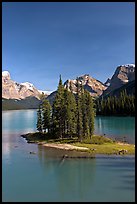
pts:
pixel 69 116
pixel 124 105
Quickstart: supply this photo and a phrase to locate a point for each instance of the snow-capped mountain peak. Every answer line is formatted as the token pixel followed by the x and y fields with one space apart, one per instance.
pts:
pixel 5 74
pixel 14 90
pixel 28 85
pixel 127 65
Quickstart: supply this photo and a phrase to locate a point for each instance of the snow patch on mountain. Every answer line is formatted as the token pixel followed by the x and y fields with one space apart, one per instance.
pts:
pixel 5 74
pixel 14 90
pixel 28 85
pixel 45 92
pixel 127 65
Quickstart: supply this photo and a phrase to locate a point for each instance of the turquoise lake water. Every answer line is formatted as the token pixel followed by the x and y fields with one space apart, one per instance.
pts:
pixel 44 177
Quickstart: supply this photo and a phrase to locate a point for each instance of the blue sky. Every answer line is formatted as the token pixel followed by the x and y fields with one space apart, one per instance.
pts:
pixel 41 40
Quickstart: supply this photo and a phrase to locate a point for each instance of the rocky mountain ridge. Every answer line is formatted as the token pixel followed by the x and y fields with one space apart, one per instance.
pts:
pixel 15 90
pixel 122 75
pixel 94 86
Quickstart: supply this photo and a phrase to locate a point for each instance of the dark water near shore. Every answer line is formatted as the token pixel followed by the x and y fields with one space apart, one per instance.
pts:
pixel 44 176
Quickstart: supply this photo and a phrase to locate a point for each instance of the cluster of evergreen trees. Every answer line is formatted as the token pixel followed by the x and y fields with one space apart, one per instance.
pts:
pixel 70 115
pixel 112 105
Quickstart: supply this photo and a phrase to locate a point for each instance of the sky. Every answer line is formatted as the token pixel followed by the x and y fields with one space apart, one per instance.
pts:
pixel 41 40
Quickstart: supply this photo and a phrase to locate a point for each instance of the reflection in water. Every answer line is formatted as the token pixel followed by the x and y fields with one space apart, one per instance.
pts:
pixel 6 151
pixel 7 143
pixel 75 176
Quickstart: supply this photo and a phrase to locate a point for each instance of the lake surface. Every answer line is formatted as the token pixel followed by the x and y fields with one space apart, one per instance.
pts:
pixel 120 128
pixel 45 177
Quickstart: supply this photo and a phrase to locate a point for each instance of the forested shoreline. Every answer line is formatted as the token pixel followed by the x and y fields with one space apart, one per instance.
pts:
pixel 124 105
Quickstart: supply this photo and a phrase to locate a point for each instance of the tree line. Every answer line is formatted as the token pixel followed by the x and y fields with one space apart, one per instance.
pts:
pixel 71 115
pixel 112 105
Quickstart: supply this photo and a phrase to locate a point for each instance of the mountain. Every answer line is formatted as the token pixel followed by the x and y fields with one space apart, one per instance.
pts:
pixel 107 83
pixel 129 87
pixel 123 75
pixel 94 86
pixel 30 102
pixel 19 95
pixel 51 97
pixel 15 90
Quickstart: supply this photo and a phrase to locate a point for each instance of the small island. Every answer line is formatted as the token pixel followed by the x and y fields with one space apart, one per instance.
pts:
pixel 99 144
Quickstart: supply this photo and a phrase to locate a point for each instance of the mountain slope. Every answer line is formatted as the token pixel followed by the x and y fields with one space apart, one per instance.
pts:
pixel 94 86
pixel 51 97
pixel 123 74
pixel 30 102
pixel 19 95
pixel 14 90
pixel 129 87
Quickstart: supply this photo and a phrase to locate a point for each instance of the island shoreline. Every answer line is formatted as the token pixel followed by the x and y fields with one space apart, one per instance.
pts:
pixel 118 148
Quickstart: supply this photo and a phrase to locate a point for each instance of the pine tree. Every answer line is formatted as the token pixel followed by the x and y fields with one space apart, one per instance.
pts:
pixel 39 119
pixel 91 114
pixel 112 105
pixel 58 109
pixel 69 113
pixel 108 106
pixel 42 96
pixel 85 123
pixel 46 112
pixel 79 111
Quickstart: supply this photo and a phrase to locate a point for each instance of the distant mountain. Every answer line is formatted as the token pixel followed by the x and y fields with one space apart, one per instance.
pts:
pixel 107 83
pixel 123 74
pixel 15 90
pixel 51 97
pixel 94 86
pixel 129 87
pixel 19 95
pixel 30 102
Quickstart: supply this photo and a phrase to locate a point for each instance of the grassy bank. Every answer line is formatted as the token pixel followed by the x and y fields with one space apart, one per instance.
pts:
pixel 98 144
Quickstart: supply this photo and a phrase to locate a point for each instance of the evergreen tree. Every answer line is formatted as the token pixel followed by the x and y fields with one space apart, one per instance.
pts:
pixel 39 119
pixel 112 105
pixel 90 114
pixel 42 96
pixel 85 122
pixel 108 105
pixel 69 113
pixel 58 109
pixel 46 112
pixel 78 111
